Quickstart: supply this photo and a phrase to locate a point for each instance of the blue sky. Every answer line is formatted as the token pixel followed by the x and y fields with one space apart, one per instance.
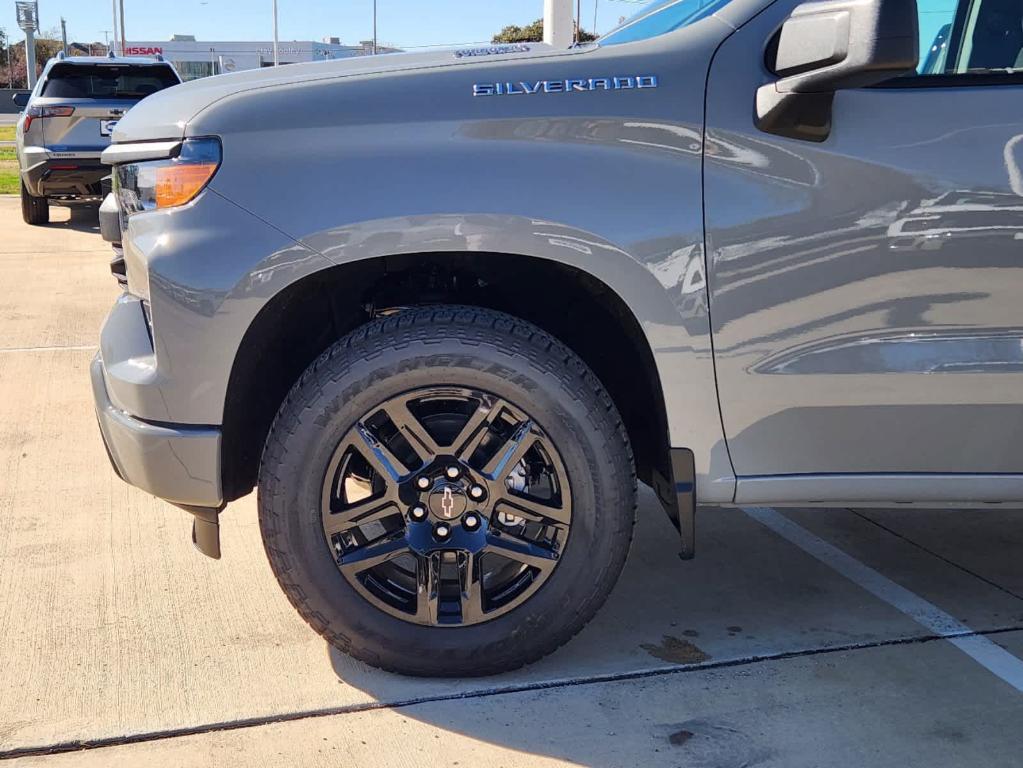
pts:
pixel 404 22
pixel 407 23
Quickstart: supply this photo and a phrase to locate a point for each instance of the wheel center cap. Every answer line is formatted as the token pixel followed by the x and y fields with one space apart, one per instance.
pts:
pixel 447 502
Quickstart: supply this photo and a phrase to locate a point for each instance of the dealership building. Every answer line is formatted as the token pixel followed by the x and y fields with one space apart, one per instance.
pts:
pixel 194 58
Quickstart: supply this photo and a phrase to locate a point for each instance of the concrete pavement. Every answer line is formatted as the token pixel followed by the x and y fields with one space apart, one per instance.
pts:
pixel 116 631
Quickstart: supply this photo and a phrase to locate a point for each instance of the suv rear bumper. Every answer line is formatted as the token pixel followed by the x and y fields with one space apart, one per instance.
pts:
pixel 72 177
pixel 178 463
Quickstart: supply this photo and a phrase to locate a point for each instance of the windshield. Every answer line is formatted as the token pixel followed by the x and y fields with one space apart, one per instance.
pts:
pixel 106 81
pixel 659 17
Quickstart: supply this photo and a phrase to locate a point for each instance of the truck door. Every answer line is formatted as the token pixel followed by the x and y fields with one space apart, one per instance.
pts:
pixel 867 290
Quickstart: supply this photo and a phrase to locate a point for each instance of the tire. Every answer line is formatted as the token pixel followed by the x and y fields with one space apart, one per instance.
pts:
pixel 453 346
pixel 34 210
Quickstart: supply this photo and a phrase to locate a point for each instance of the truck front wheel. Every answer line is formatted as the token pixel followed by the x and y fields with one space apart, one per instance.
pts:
pixel 447 491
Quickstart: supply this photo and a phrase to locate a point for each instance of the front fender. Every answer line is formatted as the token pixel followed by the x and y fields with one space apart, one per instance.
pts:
pixel 606 181
pixel 667 299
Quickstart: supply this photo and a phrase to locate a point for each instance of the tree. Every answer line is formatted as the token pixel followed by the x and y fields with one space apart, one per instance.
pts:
pixel 48 45
pixel 532 33
pixel 6 76
pixel 46 49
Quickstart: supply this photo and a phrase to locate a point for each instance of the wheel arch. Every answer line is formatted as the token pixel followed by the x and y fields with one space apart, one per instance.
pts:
pixel 600 301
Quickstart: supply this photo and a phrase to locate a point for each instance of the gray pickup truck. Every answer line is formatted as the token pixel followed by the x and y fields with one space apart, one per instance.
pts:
pixel 444 310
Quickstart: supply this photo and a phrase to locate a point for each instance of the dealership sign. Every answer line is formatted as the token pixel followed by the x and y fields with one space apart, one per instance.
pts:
pixel 142 50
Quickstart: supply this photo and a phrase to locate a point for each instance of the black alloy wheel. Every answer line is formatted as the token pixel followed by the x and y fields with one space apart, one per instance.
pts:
pixel 447 491
pixel 446 506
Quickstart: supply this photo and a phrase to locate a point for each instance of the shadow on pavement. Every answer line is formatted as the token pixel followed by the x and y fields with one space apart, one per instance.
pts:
pixel 748 596
pixel 80 219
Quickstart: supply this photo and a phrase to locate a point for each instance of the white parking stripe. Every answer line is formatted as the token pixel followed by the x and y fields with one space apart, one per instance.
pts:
pixel 72 348
pixel 989 655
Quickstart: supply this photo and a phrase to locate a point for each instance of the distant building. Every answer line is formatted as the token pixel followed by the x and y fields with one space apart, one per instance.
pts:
pixel 86 49
pixel 194 58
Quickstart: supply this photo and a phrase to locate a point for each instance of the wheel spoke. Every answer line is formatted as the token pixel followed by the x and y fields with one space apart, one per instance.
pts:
pixel 554 513
pixel 385 463
pixel 511 453
pixel 476 428
pixel 360 513
pixel 428 588
pixel 372 555
pixel 522 551
pixel 412 429
pixel 470 579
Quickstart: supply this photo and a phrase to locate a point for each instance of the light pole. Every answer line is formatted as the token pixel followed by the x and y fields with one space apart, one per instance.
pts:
pixel 63 35
pixel 276 55
pixel 10 72
pixel 557 23
pixel 113 32
pixel 124 41
pixel 374 27
pixel 28 20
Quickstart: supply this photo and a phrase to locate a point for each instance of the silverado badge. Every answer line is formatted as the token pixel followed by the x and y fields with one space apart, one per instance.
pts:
pixel 574 85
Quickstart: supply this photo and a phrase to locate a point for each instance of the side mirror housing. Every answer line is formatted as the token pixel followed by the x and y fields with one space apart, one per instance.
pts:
pixel 21 98
pixel 829 45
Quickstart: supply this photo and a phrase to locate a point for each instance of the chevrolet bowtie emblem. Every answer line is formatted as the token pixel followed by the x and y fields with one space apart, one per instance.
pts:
pixel 447 504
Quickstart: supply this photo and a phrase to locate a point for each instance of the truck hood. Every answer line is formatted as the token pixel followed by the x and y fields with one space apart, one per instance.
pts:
pixel 165 114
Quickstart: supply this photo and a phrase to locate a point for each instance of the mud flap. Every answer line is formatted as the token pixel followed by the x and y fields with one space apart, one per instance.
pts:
pixel 677 495
pixel 205 530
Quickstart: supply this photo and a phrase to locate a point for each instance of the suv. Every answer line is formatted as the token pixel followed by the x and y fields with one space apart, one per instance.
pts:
pixel 67 122
pixel 443 310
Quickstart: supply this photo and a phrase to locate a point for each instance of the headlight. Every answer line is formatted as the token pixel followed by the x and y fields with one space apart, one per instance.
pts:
pixel 155 184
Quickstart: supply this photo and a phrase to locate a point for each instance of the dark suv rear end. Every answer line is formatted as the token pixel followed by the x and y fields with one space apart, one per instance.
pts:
pixel 67 124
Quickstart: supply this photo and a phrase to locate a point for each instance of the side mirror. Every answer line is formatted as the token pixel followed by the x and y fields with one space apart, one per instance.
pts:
pixel 21 98
pixel 830 45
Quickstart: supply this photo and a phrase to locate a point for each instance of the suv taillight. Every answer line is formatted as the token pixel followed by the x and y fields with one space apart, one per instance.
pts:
pixel 34 113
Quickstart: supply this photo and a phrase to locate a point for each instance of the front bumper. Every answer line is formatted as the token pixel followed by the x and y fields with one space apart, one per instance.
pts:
pixel 178 463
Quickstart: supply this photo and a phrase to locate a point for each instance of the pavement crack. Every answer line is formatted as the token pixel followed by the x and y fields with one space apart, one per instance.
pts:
pixel 546 685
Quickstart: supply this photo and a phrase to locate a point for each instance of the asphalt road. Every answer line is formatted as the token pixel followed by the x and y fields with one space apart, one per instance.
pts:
pixel 796 638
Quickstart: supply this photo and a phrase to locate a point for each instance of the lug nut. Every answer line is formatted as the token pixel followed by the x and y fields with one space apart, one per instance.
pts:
pixel 452 472
pixel 476 492
pixel 441 531
pixel 418 513
pixel 423 483
pixel 471 522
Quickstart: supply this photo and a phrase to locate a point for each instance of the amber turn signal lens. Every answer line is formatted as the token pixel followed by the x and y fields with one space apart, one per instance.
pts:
pixel 178 183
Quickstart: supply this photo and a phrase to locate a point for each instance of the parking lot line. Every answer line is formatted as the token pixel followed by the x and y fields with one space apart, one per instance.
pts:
pixel 988 654
pixel 57 348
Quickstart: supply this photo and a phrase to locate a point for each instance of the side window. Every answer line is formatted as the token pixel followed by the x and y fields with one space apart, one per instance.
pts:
pixel 970 37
